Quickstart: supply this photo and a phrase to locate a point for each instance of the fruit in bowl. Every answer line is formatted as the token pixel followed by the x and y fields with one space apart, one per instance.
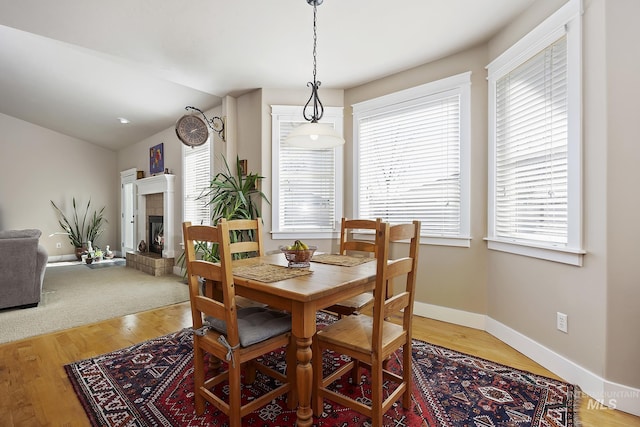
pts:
pixel 299 254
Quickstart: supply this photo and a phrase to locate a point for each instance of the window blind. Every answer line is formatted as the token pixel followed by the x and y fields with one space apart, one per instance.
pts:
pixel 531 149
pixel 410 164
pixel 197 176
pixel 307 185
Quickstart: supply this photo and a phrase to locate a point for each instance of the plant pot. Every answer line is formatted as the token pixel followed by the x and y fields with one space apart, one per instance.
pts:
pixel 79 252
pixel 89 260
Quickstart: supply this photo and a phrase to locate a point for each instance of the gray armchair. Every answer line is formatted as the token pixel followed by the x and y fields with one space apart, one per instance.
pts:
pixel 22 264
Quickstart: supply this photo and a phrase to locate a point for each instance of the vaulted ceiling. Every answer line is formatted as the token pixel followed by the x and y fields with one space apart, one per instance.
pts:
pixel 76 66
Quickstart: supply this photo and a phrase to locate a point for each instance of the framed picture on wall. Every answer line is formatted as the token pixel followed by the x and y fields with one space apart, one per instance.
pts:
pixel 156 159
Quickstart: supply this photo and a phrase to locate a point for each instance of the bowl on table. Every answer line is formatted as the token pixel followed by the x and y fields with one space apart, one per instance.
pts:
pixel 298 257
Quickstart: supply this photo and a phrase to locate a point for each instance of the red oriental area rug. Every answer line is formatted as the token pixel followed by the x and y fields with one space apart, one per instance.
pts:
pixel 150 384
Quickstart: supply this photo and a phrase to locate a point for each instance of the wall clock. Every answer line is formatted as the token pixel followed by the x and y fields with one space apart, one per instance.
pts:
pixel 192 130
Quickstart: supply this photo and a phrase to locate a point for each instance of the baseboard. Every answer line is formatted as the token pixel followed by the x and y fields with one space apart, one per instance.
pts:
pixel 607 395
pixel 61 258
pixel 450 315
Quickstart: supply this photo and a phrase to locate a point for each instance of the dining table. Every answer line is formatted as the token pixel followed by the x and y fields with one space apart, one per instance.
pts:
pixel 303 292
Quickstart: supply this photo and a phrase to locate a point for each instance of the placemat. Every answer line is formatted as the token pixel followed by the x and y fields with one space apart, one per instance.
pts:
pixel 268 272
pixel 343 260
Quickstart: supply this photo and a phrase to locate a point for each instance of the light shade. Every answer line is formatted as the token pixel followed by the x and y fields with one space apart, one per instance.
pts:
pixel 314 136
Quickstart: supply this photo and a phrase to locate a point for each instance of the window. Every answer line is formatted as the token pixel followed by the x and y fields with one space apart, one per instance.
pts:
pixel 535 142
pixel 196 167
pixel 412 151
pixel 307 184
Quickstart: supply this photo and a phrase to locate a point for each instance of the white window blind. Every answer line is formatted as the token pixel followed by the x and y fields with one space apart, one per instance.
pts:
pixel 531 149
pixel 307 183
pixel 197 176
pixel 410 159
pixel 535 142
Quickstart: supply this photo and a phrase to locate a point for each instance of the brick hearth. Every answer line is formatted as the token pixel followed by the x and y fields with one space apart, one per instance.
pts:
pixel 150 263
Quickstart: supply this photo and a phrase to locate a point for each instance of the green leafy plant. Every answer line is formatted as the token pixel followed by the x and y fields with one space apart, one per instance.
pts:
pixel 84 227
pixel 231 196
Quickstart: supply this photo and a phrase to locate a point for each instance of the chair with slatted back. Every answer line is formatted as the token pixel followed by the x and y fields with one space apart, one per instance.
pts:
pixel 246 241
pixel 351 245
pixel 232 334
pixel 246 237
pixel 373 339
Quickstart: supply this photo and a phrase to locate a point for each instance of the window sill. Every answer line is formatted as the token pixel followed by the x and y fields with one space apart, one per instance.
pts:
pixel 560 254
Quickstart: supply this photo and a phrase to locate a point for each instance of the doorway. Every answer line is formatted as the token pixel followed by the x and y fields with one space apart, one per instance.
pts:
pixel 127 214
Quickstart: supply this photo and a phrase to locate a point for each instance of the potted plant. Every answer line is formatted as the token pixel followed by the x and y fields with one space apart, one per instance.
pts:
pixel 81 228
pixel 231 196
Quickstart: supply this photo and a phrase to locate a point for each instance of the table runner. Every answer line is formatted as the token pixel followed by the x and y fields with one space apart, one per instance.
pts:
pixel 268 273
pixel 343 260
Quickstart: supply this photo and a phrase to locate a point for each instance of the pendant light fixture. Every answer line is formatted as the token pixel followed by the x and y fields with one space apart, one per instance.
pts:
pixel 314 135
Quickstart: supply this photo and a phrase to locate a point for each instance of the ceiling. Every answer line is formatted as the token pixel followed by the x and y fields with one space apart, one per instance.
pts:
pixel 76 66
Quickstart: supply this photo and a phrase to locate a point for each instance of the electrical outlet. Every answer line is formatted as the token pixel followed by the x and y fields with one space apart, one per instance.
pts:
pixel 562 321
pixel 58 245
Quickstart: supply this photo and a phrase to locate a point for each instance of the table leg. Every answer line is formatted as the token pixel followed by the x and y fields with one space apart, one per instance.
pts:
pixel 304 378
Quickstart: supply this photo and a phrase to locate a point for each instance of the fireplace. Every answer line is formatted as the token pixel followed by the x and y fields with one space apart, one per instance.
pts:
pixel 163 185
pixel 156 234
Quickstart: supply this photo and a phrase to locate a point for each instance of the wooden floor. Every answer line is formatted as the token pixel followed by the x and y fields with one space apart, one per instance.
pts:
pixel 35 391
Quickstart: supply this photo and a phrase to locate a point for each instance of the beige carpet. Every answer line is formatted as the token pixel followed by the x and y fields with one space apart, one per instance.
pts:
pixel 74 295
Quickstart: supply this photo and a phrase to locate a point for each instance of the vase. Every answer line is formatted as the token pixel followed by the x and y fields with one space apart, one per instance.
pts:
pixel 79 251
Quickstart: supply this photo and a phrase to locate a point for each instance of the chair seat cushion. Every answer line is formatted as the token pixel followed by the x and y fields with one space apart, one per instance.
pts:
pixel 255 324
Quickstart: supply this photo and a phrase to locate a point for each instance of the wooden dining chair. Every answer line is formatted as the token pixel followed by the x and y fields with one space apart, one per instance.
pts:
pixel 246 242
pixel 349 245
pixel 372 339
pixel 232 334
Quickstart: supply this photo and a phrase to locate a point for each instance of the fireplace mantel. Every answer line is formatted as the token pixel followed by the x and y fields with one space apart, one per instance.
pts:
pixel 152 185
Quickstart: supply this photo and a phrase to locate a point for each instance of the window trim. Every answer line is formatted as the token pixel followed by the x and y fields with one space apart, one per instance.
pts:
pixel 565 21
pixel 333 115
pixel 460 84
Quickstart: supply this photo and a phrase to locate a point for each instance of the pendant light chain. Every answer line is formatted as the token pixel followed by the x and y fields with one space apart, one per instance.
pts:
pixel 314 135
pixel 315 40
pixel 318 109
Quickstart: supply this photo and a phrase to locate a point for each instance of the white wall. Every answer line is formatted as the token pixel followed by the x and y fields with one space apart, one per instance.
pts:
pixel 623 197
pixel 38 165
